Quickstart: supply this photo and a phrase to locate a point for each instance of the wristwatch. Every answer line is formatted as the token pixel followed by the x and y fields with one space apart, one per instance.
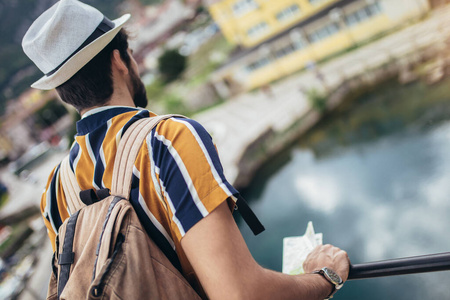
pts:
pixel 333 278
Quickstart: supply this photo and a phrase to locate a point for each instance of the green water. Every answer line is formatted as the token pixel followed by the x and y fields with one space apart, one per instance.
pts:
pixel 374 178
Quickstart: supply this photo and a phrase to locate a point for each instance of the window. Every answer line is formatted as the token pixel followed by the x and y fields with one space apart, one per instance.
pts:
pixel 314 2
pixel 363 14
pixel 323 32
pixel 300 44
pixel 244 6
pixel 258 64
pixel 257 30
pixel 284 51
pixel 288 13
pixel 288 49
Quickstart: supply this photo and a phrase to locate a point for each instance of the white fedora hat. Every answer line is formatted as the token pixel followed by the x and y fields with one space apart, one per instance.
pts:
pixel 65 38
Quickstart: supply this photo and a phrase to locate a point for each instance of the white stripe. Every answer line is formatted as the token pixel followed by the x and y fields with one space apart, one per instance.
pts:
pixel 103 161
pixel 153 168
pixel 77 159
pixel 57 189
pixel 150 215
pixel 94 161
pixel 185 174
pixel 102 153
pixel 118 137
pixel 155 221
pixel 108 125
pixel 208 158
pixel 136 172
pixel 172 208
pixel 47 209
pixel 48 203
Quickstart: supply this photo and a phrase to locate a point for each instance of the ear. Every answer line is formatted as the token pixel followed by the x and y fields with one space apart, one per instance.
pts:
pixel 118 63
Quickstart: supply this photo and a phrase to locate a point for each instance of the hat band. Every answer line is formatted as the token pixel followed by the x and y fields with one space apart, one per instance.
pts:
pixel 105 26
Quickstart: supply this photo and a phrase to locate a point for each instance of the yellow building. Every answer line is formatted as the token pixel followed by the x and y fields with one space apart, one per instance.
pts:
pixel 279 37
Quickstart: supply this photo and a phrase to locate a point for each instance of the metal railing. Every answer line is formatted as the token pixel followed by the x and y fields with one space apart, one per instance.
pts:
pixel 401 266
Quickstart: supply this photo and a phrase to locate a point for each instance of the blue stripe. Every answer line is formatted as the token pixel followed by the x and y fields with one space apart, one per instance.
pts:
pixel 212 152
pixel 96 140
pixel 140 115
pixel 152 231
pixel 73 155
pixel 176 187
pixel 54 212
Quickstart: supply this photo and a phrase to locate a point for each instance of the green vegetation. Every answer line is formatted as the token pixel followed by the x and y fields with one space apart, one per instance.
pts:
pixel 317 100
pixel 3 199
pixel 171 64
pixel 207 59
pixel 51 112
pixel 150 2
pixel 171 97
pixel 19 233
pixel 166 98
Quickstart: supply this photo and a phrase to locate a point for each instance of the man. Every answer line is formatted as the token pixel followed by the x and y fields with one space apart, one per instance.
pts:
pixel 179 191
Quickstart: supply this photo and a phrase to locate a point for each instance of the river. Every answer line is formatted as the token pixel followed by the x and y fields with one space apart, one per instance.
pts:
pixel 374 177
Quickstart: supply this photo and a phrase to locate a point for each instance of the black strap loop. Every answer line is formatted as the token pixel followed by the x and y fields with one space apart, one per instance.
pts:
pixel 103 193
pixel 91 196
pixel 66 258
pixel 249 216
pixel 88 197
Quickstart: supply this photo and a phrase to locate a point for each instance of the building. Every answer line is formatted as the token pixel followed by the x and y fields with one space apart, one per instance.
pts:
pixel 156 24
pixel 278 38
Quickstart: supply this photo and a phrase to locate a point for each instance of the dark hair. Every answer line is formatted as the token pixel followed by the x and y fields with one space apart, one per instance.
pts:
pixel 92 85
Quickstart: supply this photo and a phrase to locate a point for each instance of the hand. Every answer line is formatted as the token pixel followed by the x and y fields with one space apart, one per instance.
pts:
pixel 330 257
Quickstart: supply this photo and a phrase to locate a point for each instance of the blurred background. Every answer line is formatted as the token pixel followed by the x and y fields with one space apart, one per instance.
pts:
pixel 331 111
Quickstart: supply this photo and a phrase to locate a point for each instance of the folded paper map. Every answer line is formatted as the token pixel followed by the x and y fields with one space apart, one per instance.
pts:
pixel 297 248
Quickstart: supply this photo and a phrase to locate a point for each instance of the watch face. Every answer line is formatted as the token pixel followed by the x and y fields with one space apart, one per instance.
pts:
pixel 333 276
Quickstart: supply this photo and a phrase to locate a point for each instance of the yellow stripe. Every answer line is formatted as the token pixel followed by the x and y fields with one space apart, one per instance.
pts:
pixel 196 163
pixel 85 167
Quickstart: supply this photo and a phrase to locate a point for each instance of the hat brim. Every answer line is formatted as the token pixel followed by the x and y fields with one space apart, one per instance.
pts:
pixel 80 59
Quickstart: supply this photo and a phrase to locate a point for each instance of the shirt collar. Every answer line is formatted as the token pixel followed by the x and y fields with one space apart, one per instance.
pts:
pixel 100 109
pixel 96 117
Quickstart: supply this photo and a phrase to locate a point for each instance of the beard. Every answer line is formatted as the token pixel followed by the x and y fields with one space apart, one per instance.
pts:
pixel 139 92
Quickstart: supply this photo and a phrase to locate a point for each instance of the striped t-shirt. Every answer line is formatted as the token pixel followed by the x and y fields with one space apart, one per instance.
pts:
pixel 178 178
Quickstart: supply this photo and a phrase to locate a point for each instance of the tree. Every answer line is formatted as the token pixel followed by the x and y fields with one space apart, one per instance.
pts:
pixel 51 112
pixel 151 2
pixel 171 65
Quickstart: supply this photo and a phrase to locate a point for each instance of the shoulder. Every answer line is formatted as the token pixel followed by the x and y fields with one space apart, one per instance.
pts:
pixel 181 130
pixel 183 125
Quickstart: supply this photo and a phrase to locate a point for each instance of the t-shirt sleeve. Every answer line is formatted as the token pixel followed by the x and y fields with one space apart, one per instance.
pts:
pixel 189 171
pixel 53 208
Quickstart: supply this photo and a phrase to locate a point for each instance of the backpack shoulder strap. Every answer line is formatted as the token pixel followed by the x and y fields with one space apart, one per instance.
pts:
pixel 70 186
pixel 127 152
pixel 123 165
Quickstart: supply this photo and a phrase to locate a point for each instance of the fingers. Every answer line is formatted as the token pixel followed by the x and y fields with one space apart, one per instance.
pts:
pixel 330 257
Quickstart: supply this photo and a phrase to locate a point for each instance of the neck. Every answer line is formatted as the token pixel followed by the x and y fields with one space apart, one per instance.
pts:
pixel 120 97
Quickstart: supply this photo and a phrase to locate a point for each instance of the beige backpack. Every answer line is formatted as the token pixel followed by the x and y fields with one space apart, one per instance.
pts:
pixel 102 250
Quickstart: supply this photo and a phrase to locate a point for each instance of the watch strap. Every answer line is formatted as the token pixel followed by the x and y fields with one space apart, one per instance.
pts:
pixel 335 286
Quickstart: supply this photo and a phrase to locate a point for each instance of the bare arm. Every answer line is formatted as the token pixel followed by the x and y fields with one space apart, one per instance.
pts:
pixel 227 270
